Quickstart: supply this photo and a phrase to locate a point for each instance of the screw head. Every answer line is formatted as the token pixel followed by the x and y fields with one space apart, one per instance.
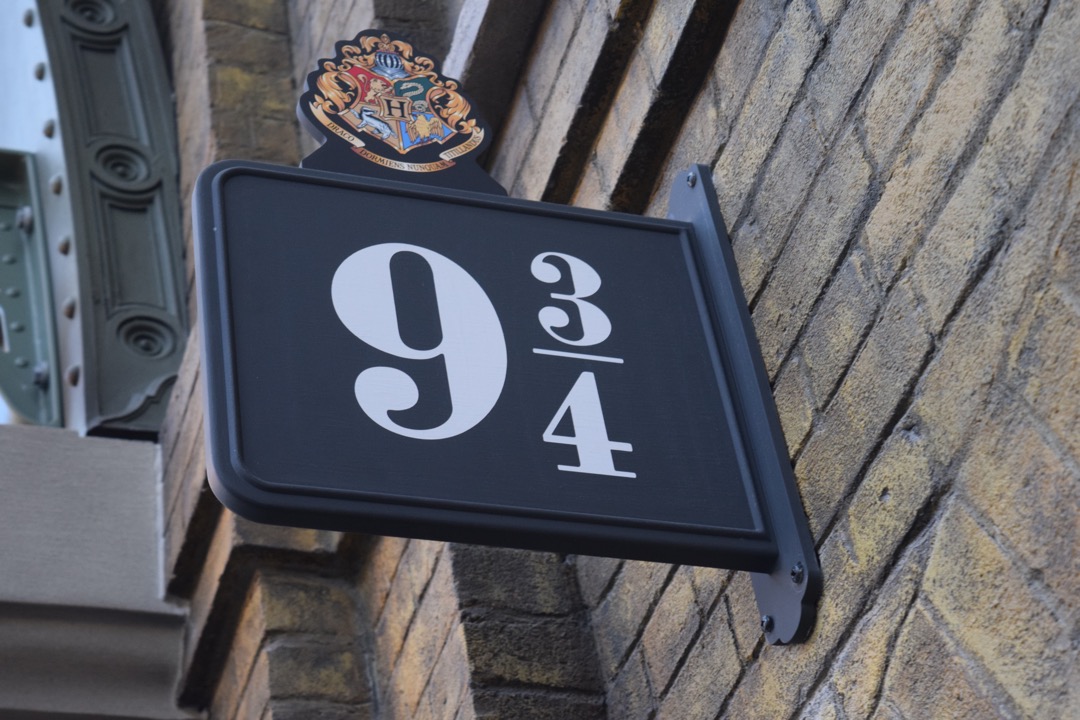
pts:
pixel 691 179
pixel 24 218
pixel 41 375
pixel 767 623
pixel 798 573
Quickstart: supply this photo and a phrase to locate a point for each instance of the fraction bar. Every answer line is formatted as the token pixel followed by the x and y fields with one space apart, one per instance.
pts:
pixel 580 356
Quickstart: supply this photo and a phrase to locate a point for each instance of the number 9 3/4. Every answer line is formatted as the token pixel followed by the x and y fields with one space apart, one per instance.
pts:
pixel 472 345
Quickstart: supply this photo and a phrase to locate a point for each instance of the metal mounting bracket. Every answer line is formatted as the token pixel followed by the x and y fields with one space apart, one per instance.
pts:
pixel 788 590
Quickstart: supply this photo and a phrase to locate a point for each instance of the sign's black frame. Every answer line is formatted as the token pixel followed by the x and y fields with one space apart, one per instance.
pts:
pixel 787 575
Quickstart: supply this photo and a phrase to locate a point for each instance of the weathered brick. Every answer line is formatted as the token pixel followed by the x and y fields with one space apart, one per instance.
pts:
pixel 1053 345
pixel 376 573
pixel 559 111
pixel 329 672
pixel 820 235
pixel 305 709
pixel 427 633
pixel 246 47
pixel 277 603
pixel 261 14
pixel 670 629
pixel 413 575
pixel 699 139
pixel 246 93
pixel 624 122
pixel 520 580
pixel 708 582
pixel 594 575
pixel 889 499
pixel 708 123
pixel 709 674
pixel 629 696
pixel 746 43
pixel 450 684
pixel 235 538
pixel 662 30
pixel 837 326
pixel 853 559
pixel 992 611
pixel 496 704
pixel 1066 264
pixel 791 168
pixel 794 403
pixel 517 134
pixel 556 31
pixel 625 609
pixel 790 53
pixel 950 15
pixel 927 672
pixel 823 706
pixel 297 603
pixel 745 618
pixel 964 99
pixel 886 367
pixel 830 10
pixel 907 79
pixel 593 190
pixel 852 50
pixel 991 192
pixel 859 670
pixel 997 317
pixel 1030 493
pixel 553 652
pixel 255 699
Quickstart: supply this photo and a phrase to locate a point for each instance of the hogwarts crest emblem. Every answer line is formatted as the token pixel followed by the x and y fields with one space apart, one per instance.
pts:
pixel 389 106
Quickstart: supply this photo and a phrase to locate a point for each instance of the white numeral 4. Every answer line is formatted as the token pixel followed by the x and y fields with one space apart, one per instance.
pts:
pixel 590 431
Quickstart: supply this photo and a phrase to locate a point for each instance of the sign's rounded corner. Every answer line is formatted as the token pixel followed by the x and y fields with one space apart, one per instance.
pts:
pixel 239 490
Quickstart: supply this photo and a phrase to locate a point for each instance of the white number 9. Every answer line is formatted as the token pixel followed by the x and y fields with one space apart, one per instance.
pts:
pixel 472 343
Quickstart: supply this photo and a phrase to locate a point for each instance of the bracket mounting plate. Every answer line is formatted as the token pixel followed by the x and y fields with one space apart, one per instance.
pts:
pixel 787 595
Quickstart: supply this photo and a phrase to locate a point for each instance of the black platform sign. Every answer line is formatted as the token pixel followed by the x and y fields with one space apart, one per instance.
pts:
pixel 398 360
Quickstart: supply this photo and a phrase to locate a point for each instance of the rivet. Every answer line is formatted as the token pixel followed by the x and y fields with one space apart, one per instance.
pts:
pixel 767 623
pixel 21 362
pixel 28 18
pixel 12 292
pixel 17 326
pixel 24 218
pixel 72 376
pixel 64 246
pixel 69 308
pixel 39 71
pixel 56 185
pixel 8 259
pixel 50 128
pixel 798 573
pixel 691 179
pixel 41 375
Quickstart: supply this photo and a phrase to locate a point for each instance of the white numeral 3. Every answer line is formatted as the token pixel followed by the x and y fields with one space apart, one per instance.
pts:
pixel 595 326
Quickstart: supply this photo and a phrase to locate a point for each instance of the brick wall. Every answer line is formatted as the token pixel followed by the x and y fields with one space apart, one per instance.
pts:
pixel 898 180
